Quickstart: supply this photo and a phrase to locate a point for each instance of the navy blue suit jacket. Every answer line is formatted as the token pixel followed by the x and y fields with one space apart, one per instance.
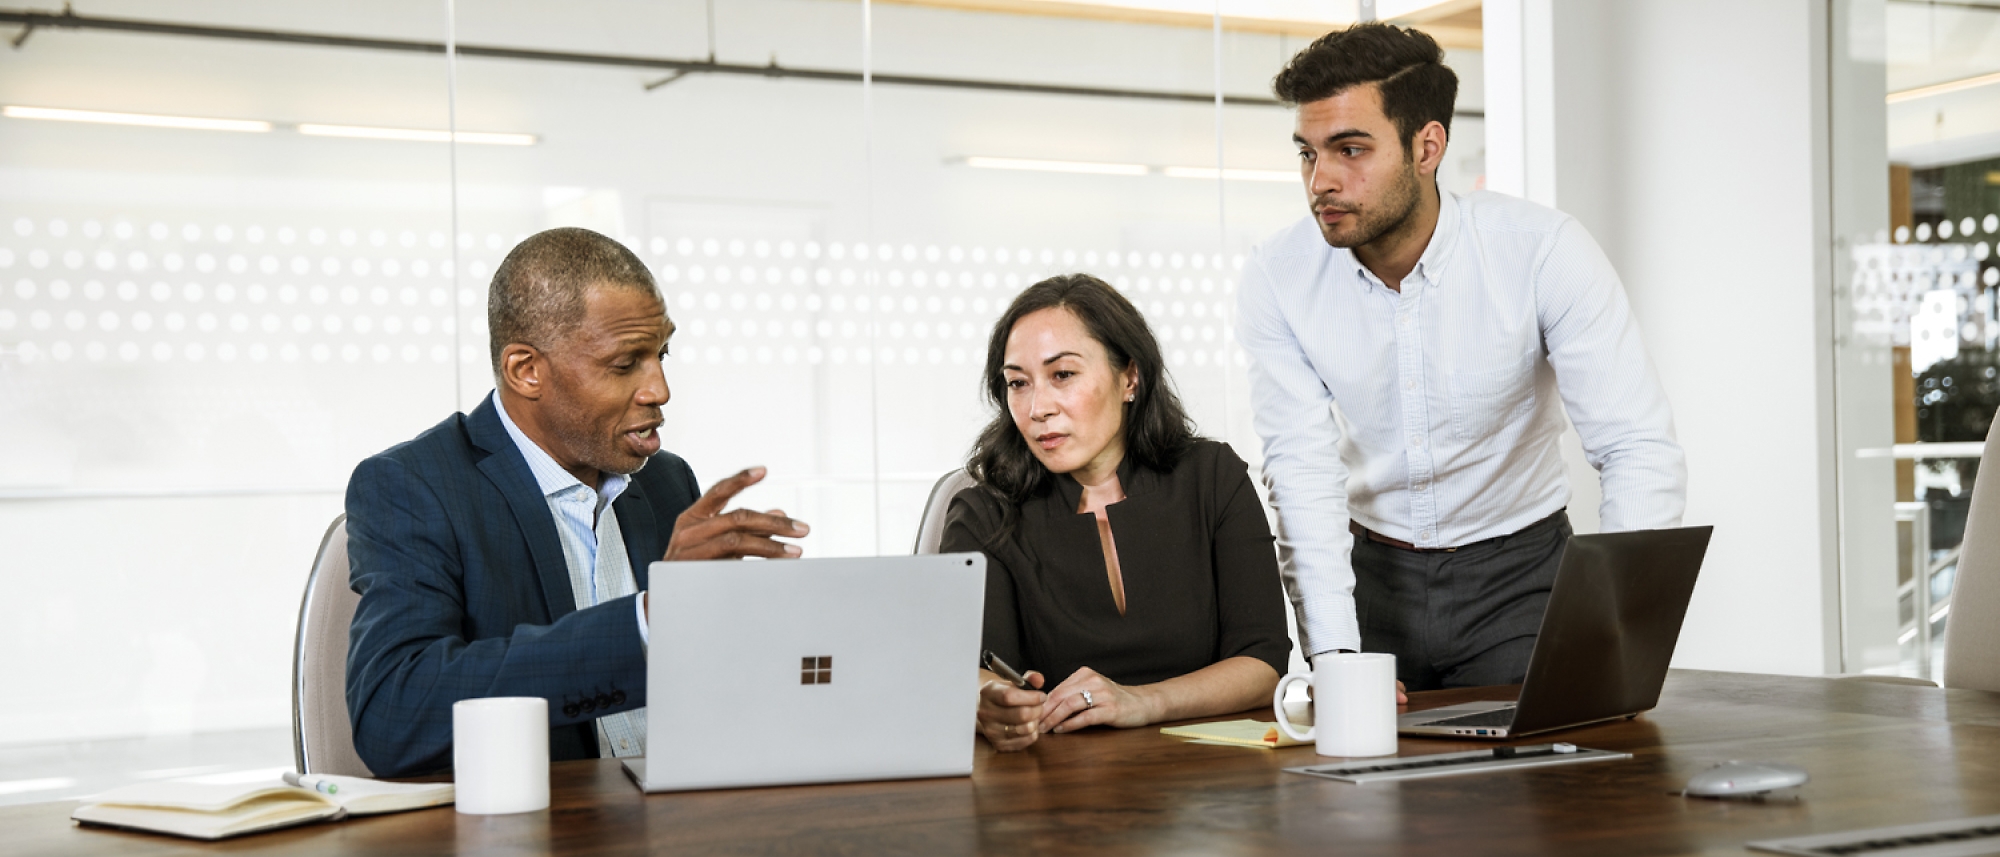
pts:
pixel 464 594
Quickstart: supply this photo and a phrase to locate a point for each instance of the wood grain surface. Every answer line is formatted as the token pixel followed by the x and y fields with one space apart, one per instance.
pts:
pixel 1878 754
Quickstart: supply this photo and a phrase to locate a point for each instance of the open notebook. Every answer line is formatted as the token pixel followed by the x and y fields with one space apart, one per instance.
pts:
pixel 218 811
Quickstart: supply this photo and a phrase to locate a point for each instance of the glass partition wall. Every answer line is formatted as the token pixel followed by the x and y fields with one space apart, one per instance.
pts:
pixel 232 265
pixel 216 295
pixel 1916 211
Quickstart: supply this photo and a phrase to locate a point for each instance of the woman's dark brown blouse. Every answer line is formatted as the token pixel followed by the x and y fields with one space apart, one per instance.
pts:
pixel 1201 578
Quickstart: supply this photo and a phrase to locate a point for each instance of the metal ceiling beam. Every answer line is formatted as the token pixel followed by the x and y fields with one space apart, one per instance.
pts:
pixel 67 19
pixel 32 20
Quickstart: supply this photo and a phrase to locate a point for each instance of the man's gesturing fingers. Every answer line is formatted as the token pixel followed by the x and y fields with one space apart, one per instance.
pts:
pixel 719 494
pixel 704 531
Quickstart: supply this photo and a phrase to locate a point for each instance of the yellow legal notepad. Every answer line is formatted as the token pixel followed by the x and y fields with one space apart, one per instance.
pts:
pixel 1235 733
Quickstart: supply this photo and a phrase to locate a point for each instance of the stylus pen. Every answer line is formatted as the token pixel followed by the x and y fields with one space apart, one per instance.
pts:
pixel 1001 669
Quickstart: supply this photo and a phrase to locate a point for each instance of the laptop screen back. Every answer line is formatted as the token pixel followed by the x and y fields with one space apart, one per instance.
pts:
pixel 1609 632
pixel 815 670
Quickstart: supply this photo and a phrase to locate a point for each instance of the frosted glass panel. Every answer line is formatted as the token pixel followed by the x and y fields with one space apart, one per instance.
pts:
pixel 201 332
pixel 743 194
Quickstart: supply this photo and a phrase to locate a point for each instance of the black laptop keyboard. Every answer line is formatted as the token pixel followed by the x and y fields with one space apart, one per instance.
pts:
pixel 1496 717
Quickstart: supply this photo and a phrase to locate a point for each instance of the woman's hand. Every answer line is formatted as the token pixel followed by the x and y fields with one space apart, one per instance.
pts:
pixel 1010 717
pixel 1089 699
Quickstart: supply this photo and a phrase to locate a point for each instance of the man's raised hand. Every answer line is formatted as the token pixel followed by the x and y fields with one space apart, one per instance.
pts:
pixel 705 531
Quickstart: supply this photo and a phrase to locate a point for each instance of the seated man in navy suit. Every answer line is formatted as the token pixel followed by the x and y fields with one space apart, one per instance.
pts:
pixel 504 552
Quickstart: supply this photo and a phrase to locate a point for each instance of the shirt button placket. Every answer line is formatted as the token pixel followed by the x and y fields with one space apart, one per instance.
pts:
pixel 1416 411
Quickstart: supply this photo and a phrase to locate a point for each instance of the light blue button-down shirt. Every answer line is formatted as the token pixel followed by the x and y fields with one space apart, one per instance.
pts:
pixel 583 519
pixel 1432 414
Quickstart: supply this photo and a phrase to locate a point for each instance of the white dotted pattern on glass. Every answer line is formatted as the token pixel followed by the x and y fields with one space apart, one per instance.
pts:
pixel 375 293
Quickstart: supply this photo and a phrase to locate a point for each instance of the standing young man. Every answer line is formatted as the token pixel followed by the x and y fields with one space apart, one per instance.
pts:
pixel 1426 519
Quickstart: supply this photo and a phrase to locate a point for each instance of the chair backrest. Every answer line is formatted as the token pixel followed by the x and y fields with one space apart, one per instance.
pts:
pixel 322 736
pixel 931 531
pixel 1972 634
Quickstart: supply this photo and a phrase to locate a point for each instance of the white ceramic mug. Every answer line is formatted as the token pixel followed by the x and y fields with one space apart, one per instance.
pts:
pixel 500 754
pixel 1354 704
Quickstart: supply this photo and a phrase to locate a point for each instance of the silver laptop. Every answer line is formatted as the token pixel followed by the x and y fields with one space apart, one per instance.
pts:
pixel 811 671
pixel 1607 637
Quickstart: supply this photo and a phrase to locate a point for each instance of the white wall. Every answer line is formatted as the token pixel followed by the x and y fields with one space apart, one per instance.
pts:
pixel 1690 138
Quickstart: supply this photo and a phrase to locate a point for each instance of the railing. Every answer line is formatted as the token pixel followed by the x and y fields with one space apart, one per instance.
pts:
pixel 1924 612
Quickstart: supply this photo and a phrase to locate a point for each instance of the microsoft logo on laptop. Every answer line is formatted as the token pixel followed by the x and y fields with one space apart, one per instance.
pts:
pixel 818 670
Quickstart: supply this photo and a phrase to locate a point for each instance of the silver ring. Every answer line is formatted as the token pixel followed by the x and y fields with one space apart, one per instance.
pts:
pixel 1087 701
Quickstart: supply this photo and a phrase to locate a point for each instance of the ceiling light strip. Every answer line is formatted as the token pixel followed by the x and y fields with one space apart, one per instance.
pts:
pixel 1943 88
pixel 258 126
pixel 102 117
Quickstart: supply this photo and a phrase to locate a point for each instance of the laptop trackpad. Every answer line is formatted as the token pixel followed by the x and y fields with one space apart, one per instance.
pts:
pixel 1431 715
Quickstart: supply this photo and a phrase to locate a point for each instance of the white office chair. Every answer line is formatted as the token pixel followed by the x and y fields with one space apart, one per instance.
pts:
pixel 322 736
pixel 1970 637
pixel 931 531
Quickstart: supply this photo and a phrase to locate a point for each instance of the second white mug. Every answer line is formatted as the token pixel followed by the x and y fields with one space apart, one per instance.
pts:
pixel 500 754
pixel 1354 704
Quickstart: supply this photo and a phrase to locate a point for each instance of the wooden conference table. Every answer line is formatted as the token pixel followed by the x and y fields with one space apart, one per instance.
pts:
pixel 1878 754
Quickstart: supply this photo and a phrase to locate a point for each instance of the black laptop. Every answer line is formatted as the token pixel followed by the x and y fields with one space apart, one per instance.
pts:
pixel 1608 634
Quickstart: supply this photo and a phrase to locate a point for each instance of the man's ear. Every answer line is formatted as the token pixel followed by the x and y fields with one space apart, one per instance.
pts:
pixel 524 370
pixel 1429 148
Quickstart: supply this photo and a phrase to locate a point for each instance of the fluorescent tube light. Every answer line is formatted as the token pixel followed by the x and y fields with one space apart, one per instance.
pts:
pixel 146 119
pixel 1093 167
pixel 1231 174
pixel 258 126
pixel 416 135
pixel 1942 88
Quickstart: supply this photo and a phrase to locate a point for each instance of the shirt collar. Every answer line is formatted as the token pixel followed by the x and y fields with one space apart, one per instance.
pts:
pixel 1437 254
pixel 550 476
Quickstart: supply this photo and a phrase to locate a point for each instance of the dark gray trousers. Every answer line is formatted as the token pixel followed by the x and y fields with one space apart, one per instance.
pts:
pixel 1464 618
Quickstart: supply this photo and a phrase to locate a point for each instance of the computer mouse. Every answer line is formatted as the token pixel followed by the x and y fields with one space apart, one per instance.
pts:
pixel 1742 779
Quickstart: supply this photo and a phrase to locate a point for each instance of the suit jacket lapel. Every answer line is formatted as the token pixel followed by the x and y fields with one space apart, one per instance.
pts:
pixel 509 472
pixel 642 539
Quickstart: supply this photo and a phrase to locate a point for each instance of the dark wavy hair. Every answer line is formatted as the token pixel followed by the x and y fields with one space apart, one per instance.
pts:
pixel 1157 428
pixel 1417 87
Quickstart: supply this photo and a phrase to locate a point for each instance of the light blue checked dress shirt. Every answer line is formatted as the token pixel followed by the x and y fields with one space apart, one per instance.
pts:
pixel 584 521
pixel 1432 415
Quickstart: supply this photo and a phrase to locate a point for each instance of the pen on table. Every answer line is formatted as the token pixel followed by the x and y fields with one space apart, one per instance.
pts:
pixel 1558 748
pixel 1001 669
pixel 311 781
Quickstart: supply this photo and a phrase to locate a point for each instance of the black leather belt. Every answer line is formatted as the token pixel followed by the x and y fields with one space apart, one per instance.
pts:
pixel 1361 532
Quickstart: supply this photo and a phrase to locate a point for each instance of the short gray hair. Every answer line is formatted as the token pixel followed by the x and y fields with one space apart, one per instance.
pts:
pixel 537 293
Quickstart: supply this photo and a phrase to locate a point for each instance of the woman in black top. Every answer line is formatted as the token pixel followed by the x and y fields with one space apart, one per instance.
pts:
pixel 1128 560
